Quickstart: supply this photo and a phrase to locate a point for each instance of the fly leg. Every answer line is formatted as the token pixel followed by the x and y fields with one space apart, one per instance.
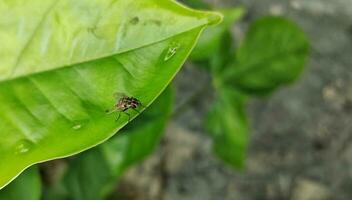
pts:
pixel 129 116
pixel 123 111
pixel 118 117
pixel 136 110
pixel 109 111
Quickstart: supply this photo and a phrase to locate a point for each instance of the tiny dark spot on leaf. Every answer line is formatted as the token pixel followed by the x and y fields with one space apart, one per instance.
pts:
pixel 156 22
pixel 92 30
pixel 134 20
pixel 153 22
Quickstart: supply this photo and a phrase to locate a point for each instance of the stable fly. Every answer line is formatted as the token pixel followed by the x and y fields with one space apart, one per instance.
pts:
pixel 124 103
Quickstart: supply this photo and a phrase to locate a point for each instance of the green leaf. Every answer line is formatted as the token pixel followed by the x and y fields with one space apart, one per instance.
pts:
pixel 273 54
pixel 62 61
pixel 26 186
pixel 228 126
pixel 217 40
pixel 198 4
pixel 93 174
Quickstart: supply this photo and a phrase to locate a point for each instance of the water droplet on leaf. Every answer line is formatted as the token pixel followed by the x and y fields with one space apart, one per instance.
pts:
pixel 134 20
pixel 77 126
pixel 23 146
pixel 172 50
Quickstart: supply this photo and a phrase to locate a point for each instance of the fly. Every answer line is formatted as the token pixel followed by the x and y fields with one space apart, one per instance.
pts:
pixel 124 103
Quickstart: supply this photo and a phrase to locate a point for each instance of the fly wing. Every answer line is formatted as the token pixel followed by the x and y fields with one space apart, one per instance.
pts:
pixel 112 110
pixel 119 95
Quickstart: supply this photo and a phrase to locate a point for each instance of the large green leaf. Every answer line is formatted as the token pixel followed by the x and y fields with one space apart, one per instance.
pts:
pixel 93 173
pixel 62 61
pixel 26 186
pixel 273 54
pixel 228 125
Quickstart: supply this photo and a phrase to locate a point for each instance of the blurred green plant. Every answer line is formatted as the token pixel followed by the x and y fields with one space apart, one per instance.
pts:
pixel 27 186
pixel 272 54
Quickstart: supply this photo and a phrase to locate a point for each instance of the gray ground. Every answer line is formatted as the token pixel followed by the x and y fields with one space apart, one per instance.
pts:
pixel 301 143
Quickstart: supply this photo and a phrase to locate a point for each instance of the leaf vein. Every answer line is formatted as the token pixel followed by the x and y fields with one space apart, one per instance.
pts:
pixel 28 42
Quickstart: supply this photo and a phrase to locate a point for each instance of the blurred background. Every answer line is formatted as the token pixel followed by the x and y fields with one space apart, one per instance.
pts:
pixel 300 145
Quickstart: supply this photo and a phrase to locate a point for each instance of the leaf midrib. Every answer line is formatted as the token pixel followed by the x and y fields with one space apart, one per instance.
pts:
pixel 38 27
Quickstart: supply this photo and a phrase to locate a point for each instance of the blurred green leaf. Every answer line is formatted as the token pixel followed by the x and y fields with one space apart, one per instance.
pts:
pixel 93 174
pixel 62 61
pixel 217 41
pixel 273 54
pixel 27 186
pixel 228 126
pixel 197 4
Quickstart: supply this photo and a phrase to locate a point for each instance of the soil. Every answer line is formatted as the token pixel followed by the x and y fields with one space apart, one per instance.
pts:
pixel 301 137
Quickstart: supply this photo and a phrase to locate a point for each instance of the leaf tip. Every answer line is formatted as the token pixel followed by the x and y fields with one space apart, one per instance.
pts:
pixel 214 18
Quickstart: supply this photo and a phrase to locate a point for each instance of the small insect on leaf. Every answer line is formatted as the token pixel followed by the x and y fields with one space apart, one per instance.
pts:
pixel 124 103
